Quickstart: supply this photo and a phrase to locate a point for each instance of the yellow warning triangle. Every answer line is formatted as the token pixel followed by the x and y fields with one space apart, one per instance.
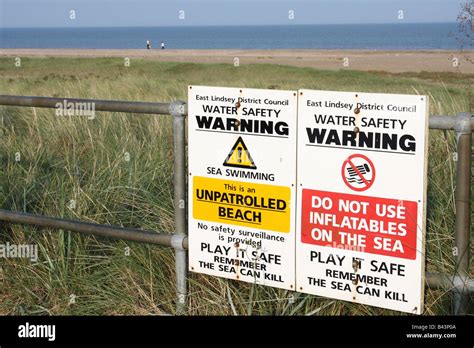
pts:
pixel 239 156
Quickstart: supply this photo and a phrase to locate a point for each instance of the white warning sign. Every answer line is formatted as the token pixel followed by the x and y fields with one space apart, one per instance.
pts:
pixel 242 184
pixel 362 197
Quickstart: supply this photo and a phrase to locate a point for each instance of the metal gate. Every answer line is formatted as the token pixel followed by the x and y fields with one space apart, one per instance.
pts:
pixel 463 124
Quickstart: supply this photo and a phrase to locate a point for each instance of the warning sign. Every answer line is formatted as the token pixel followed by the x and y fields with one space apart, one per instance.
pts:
pixel 244 204
pixel 368 224
pixel 358 172
pixel 242 184
pixel 239 156
pixel 361 197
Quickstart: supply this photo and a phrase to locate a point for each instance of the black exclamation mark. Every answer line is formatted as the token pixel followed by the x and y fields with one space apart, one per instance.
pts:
pixel 239 154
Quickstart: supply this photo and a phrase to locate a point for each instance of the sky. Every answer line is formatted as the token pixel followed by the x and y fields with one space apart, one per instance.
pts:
pixel 123 13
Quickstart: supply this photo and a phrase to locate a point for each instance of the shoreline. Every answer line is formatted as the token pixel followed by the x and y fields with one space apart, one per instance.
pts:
pixel 392 61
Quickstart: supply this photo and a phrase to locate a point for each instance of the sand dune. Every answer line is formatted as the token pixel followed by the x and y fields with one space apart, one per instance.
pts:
pixel 389 61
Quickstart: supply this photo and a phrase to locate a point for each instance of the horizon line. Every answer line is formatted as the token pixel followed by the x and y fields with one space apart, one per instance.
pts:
pixel 224 25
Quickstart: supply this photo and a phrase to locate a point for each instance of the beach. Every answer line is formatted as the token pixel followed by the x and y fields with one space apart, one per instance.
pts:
pixel 362 60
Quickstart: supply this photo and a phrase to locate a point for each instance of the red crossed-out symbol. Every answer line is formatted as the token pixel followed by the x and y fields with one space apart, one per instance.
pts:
pixel 358 172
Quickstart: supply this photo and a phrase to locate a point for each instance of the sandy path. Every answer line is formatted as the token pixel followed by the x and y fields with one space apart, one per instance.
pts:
pixel 390 61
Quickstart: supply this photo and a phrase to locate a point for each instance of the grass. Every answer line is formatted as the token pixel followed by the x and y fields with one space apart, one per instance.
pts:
pixel 117 169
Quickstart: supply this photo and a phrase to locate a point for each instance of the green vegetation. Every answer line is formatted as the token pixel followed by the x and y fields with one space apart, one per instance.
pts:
pixel 73 158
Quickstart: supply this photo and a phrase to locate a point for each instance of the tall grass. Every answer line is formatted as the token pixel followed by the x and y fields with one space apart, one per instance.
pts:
pixel 117 169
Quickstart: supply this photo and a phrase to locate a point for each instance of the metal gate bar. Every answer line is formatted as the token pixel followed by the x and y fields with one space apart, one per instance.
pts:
pixel 117 232
pixel 463 131
pixel 177 110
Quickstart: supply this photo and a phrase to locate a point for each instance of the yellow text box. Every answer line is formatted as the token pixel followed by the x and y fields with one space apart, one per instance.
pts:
pixel 265 207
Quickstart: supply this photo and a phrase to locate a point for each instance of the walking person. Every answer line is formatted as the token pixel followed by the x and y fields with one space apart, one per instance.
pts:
pixel 148 44
pixel 162 45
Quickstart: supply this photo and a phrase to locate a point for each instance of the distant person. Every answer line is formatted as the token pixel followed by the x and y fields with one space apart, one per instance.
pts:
pixel 148 44
pixel 162 45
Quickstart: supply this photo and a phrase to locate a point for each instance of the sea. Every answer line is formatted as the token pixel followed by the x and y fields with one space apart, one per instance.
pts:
pixel 399 36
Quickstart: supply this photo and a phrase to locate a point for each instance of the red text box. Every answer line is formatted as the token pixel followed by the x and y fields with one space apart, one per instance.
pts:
pixel 373 225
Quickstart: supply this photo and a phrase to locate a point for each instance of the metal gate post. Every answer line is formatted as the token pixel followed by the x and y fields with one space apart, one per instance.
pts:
pixel 177 110
pixel 463 209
